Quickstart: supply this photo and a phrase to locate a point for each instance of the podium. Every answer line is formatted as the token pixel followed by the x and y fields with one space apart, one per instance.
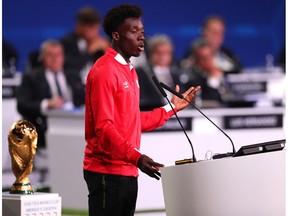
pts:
pixel 241 186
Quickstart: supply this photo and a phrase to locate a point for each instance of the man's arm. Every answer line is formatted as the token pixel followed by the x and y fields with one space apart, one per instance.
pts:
pixel 157 117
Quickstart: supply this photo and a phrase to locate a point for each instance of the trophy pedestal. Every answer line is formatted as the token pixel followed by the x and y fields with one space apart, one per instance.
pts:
pixel 38 204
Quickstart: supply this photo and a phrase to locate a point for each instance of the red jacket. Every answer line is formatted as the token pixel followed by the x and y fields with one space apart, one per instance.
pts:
pixel 113 121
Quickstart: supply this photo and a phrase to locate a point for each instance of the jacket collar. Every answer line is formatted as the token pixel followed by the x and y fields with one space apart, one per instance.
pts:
pixel 119 58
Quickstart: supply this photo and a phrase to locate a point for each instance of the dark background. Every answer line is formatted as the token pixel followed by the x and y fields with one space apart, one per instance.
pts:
pixel 255 28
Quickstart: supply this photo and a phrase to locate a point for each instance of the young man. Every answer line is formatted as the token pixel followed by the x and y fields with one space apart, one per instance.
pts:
pixel 113 122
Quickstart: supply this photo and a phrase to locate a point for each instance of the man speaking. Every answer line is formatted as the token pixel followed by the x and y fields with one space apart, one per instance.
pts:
pixel 113 121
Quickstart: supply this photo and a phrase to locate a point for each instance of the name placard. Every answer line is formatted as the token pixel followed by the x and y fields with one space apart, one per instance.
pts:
pixel 253 121
pixel 31 207
pixel 243 88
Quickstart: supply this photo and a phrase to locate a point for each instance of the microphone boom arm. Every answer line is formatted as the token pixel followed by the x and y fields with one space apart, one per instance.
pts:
pixel 181 97
pixel 165 96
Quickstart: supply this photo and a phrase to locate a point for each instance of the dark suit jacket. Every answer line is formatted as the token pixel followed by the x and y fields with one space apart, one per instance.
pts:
pixel 197 77
pixel 150 97
pixel 34 88
pixel 234 58
pixel 74 58
pixel 229 53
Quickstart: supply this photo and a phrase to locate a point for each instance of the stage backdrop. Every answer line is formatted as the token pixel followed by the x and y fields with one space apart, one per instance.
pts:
pixel 254 28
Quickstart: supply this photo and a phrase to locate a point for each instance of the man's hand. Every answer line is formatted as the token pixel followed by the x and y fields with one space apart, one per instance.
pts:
pixel 148 166
pixel 189 95
pixel 55 103
pixel 98 44
pixel 215 73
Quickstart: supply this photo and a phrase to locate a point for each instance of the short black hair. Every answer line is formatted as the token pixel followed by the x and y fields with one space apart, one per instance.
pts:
pixel 117 15
pixel 87 16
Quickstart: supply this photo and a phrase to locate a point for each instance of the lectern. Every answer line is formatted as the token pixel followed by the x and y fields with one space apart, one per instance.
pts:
pixel 240 186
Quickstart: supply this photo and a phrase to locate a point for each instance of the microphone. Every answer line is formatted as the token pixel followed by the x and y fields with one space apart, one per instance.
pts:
pixel 172 90
pixel 216 156
pixel 165 96
pixel 159 87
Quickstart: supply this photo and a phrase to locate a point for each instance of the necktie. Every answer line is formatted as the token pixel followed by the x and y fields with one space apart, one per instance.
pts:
pixel 58 85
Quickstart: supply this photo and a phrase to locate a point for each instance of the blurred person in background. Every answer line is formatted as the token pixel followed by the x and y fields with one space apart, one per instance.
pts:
pixel 281 59
pixel 205 73
pixel 85 45
pixel 9 59
pixel 160 64
pixel 48 87
pixel 213 31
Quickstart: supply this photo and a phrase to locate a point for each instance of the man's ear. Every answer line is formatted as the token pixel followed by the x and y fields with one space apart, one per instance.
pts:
pixel 115 36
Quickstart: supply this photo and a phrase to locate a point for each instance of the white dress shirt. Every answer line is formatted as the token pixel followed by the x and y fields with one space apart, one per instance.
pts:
pixel 163 75
pixel 65 90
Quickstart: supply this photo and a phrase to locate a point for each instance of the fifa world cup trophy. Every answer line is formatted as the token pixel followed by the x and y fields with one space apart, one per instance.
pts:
pixel 22 140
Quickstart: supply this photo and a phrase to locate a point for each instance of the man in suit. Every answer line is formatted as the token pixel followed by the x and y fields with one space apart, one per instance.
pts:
pixel 48 87
pixel 205 73
pixel 161 65
pixel 213 31
pixel 84 45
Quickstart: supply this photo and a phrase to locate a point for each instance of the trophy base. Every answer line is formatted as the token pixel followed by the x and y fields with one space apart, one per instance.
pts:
pixel 21 188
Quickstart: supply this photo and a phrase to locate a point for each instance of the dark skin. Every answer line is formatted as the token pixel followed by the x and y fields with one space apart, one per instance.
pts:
pixel 129 38
pixel 128 41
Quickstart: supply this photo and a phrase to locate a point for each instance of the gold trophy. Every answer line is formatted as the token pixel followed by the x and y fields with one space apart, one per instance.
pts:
pixel 22 140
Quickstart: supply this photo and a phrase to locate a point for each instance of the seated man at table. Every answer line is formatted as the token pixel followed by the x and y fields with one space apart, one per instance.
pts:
pixel 45 88
pixel 205 73
pixel 48 87
pixel 162 65
pixel 213 31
